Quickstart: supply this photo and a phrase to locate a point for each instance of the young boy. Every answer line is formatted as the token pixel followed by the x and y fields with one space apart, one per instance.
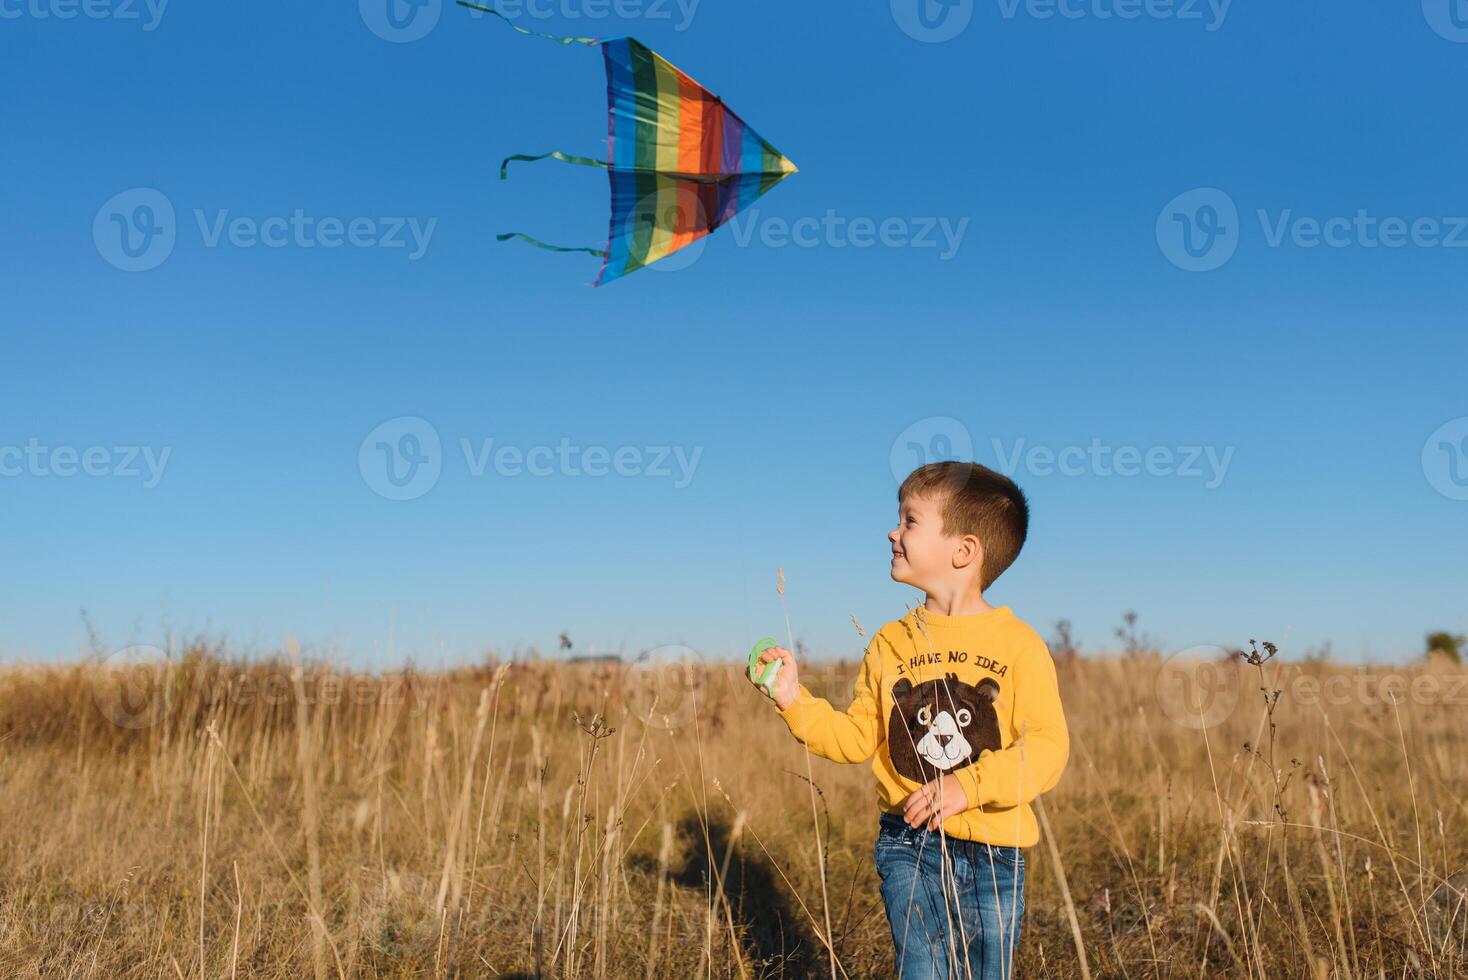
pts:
pixel 959 704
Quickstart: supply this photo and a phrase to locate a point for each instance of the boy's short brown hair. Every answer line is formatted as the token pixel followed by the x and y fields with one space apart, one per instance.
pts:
pixel 977 501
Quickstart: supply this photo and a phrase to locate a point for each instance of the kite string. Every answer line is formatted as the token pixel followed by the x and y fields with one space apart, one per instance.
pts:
pixel 588 41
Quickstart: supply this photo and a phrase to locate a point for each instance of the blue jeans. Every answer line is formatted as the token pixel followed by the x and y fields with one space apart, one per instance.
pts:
pixel 958 917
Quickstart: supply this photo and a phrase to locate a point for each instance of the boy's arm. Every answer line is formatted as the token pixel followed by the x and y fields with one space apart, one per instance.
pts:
pixel 1033 763
pixel 841 736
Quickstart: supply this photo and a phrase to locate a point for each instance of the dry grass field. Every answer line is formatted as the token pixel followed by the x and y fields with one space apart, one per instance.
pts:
pixel 209 817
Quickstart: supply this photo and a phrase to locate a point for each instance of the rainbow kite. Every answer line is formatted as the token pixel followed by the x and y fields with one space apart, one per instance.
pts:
pixel 681 163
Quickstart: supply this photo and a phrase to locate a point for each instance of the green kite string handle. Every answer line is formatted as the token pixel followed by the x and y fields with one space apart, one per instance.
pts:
pixel 588 41
pixel 600 252
pixel 553 155
pixel 765 677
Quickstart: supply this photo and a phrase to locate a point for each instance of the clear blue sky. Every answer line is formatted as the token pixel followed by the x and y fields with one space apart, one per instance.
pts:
pixel 1064 315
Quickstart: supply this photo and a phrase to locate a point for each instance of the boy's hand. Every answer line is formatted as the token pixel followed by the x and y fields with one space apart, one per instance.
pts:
pixel 787 681
pixel 935 803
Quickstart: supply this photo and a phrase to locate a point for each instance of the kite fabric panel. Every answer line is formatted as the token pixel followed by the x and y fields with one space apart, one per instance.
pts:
pixel 681 163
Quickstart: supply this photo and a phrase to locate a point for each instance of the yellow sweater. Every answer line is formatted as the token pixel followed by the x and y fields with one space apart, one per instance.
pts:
pixel 974 696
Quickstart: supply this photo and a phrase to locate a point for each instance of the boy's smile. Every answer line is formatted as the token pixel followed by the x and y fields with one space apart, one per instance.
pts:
pixel 919 548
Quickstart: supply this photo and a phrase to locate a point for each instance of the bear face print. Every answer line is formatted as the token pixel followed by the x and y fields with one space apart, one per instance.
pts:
pixel 940 725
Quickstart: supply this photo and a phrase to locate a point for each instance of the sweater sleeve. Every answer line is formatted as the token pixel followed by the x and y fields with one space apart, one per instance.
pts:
pixel 852 735
pixel 1032 764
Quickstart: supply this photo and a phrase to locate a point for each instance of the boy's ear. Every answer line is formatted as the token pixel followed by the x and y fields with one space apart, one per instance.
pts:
pixel 970 552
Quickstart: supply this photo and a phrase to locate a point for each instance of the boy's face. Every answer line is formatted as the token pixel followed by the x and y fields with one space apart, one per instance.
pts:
pixel 922 555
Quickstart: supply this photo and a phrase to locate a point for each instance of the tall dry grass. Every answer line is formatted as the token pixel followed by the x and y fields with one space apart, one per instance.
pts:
pixel 208 817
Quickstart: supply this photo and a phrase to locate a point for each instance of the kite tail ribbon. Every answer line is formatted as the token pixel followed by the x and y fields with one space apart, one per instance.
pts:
pixel 588 41
pixel 599 252
pixel 554 155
